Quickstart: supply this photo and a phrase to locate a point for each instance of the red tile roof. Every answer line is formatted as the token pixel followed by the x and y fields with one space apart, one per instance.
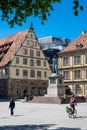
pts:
pixel 9 46
pixel 82 39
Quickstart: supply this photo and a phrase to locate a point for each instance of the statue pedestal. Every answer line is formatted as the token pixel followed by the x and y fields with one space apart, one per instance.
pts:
pixel 55 91
pixel 56 87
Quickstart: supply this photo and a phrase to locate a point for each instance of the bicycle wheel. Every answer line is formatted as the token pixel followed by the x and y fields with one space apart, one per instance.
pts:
pixel 75 113
pixel 70 115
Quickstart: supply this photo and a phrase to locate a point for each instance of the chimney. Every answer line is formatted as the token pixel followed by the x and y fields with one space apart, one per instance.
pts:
pixel 83 32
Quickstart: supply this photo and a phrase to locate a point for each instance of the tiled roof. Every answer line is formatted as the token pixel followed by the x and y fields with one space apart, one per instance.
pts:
pixel 73 46
pixel 9 46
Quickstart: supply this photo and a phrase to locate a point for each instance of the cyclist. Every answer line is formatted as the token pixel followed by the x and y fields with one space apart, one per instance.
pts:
pixel 73 102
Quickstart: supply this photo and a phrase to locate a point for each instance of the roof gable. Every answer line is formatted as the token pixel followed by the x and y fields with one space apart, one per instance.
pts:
pixel 79 43
pixel 9 46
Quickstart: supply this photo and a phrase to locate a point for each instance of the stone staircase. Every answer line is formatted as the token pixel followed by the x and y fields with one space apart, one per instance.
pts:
pixel 53 100
pixel 41 99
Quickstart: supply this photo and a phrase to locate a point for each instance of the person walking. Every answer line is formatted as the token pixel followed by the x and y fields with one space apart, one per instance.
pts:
pixel 12 106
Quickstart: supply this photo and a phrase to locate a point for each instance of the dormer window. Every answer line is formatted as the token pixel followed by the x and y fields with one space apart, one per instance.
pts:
pixel 79 45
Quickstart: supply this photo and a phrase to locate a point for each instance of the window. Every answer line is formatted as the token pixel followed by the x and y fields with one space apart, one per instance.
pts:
pixel 77 60
pixel 3 72
pixel 39 74
pixel 31 53
pixel 78 89
pixel 38 63
pixel 86 59
pixel 6 71
pixel 79 45
pixel 17 72
pixel 37 53
pixel 25 73
pixel 32 73
pixel 86 88
pixel 31 62
pixel 25 51
pixel 36 44
pixel 17 60
pixel 27 42
pixel 45 74
pixel 44 63
pixel 66 75
pixel 86 74
pixel 25 61
pixel 77 74
pixel 31 43
pixel 66 61
pixel 31 35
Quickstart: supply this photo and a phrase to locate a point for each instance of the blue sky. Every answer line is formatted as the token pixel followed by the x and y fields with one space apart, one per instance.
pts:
pixel 62 23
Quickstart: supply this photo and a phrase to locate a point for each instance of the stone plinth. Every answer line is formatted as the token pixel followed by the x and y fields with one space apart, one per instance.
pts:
pixel 56 87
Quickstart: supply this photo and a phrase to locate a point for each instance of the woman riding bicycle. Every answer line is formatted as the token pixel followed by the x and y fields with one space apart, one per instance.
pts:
pixel 73 102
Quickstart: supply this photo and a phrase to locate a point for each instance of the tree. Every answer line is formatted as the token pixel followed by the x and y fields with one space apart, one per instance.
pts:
pixel 17 11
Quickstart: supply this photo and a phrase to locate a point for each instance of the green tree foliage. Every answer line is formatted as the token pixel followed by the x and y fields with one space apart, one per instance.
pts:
pixel 17 11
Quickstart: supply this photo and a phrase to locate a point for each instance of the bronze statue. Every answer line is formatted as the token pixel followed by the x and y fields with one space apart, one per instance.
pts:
pixel 55 64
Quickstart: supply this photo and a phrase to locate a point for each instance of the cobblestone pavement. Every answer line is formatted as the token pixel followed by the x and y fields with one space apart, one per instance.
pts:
pixel 31 116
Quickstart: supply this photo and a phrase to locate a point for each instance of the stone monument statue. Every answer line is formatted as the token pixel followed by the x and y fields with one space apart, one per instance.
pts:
pixel 55 64
pixel 56 85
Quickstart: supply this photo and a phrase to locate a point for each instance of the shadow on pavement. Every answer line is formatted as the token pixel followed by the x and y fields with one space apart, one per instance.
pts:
pixel 35 127
pixel 12 116
pixel 65 128
pixel 4 100
pixel 81 117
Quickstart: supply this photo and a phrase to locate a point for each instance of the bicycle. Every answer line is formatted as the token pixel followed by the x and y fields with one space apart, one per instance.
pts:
pixel 71 113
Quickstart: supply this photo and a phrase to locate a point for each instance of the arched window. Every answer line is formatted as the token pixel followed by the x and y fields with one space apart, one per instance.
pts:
pixel 31 43
pixel 32 73
pixel 31 53
pixel 36 44
pixel 31 62
pixel 78 88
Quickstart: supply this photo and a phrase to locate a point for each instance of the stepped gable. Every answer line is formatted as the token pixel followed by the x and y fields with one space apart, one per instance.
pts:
pixel 73 46
pixel 9 46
